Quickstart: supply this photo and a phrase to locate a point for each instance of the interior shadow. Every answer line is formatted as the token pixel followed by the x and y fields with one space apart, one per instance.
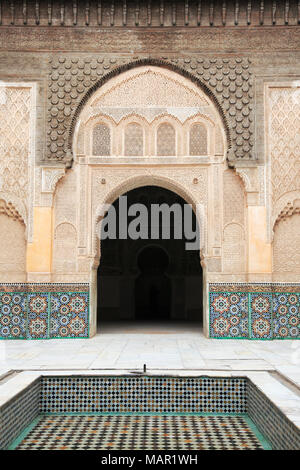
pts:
pixel 154 280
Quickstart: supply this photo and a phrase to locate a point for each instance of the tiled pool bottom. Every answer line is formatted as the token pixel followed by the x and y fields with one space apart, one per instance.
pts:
pixel 215 403
pixel 141 432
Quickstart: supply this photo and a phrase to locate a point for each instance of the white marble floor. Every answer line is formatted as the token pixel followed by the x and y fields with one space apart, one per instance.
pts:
pixel 164 347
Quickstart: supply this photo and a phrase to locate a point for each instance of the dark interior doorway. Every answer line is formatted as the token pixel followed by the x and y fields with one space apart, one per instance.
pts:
pixel 154 280
pixel 152 288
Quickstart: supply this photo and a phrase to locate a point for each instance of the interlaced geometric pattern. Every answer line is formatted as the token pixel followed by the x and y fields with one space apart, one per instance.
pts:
pixel 14 139
pixel 285 139
pixel 255 315
pixel 198 140
pixel 13 315
pixel 69 315
pixel 229 315
pixel 133 140
pixel 135 432
pixel 166 140
pixel 286 311
pixel 43 315
pixel 101 140
pixel 261 315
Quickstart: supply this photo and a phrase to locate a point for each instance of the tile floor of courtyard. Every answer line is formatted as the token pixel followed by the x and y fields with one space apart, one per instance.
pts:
pixel 128 346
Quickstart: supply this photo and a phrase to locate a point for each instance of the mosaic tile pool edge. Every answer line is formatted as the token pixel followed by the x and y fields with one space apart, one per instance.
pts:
pixel 44 311
pixel 143 394
pixel 271 422
pixel 254 311
pixel 34 400
pixel 18 413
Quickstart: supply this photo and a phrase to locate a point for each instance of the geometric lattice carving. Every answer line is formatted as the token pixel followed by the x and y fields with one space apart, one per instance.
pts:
pixel 14 140
pixel 133 140
pixel 286 248
pixel 284 139
pixel 73 78
pixel 101 140
pixel 198 139
pixel 166 140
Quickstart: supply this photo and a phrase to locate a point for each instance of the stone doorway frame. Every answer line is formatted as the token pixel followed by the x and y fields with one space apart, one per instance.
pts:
pixel 121 189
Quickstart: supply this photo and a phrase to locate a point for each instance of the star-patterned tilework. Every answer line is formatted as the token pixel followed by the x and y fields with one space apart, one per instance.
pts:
pixel 254 311
pixel 43 311
pixel 137 432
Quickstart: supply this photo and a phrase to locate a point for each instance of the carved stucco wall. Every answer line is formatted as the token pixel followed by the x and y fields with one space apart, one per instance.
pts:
pixel 16 176
pixel 17 145
pixel 234 239
pixel 151 96
pixel 12 249
pixel 65 246
pixel 286 257
pixel 73 79
pixel 162 104
pixel 65 223
pixel 283 138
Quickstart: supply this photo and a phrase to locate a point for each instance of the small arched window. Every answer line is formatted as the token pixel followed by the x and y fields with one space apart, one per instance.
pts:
pixel 198 139
pixel 101 140
pixel 134 145
pixel 166 145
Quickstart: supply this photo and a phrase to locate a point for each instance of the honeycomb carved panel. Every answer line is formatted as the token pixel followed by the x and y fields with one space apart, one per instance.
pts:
pixel 72 80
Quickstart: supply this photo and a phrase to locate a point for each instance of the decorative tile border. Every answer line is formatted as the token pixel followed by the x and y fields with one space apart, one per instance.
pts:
pixel 254 311
pixel 255 287
pixel 43 311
